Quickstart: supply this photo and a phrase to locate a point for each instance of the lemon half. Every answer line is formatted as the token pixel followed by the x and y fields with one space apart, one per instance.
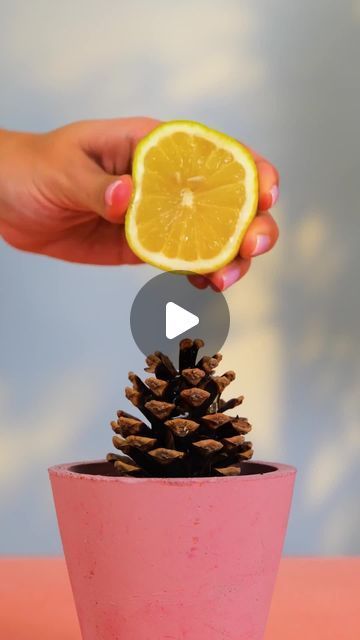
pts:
pixel 195 194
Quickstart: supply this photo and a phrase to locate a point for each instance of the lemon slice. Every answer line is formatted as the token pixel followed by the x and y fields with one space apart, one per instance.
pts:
pixel 195 194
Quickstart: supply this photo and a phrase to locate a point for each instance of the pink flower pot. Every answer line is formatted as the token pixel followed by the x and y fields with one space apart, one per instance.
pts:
pixel 172 559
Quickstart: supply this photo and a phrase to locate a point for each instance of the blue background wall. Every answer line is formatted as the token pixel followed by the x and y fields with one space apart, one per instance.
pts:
pixel 284 78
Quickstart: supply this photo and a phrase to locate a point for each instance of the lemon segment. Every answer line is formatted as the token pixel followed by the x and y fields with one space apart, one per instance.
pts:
pixel 195 194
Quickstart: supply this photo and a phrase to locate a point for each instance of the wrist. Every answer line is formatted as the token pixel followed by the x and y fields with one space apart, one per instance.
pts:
pixel 11 161
pixel 20 160
pixel 4 133
pixel 6 137
pixel 9 139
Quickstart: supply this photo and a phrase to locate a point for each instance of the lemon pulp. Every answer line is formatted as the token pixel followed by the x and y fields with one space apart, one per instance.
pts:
pixel 195 193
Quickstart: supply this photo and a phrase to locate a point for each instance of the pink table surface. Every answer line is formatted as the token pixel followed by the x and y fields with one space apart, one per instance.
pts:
pixel 315 599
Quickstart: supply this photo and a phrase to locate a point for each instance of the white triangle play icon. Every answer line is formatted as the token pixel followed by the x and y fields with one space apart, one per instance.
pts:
pixel 178 320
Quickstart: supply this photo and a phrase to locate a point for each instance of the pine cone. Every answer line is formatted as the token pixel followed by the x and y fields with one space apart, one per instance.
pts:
pixel 189 433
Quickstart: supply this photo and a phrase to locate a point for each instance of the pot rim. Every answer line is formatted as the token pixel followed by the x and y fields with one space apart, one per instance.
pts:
pixel 64 470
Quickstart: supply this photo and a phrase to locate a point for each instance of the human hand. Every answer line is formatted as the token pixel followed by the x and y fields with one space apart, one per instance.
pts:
pixel 65 193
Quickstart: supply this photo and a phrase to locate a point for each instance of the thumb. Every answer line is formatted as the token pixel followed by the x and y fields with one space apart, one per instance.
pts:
pixel 104 194
pixel 115 198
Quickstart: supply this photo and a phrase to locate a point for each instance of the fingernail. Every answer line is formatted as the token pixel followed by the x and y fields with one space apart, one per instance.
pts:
pixel 262 245
pixel 229 277
pixel 111 192
pixel 274 192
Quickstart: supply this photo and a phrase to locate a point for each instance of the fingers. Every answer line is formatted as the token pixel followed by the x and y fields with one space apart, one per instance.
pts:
pixel 200 282
pixel 95 191
pixel 223 278
pixel 268 182
pixel 268 185
pixel 261 236
pixel 111 143
pixel 116 199
pixel 106 185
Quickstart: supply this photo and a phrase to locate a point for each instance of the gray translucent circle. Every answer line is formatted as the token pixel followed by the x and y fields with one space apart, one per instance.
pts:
pixel 148 314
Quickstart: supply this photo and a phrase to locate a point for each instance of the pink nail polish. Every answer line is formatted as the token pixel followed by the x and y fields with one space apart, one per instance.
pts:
pixel 231 275
pixel 274 191
pixel 110 192
pixel 262 245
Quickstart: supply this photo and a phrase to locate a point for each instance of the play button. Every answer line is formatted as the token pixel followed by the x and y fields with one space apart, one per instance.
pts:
pixel 178 320
pixel 168 306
